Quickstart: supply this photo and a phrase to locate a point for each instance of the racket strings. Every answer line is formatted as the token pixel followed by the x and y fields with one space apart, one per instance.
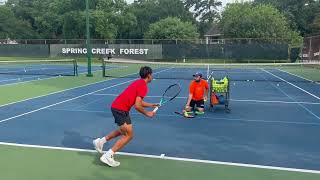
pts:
pixel 172 92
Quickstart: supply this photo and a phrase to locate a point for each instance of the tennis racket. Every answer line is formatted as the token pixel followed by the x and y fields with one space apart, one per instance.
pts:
pixel 169 94
pixel 184 115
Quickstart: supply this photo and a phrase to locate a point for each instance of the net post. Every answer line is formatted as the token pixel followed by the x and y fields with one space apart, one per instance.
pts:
pixel 89 55
pixel 75 67
pixel 103 66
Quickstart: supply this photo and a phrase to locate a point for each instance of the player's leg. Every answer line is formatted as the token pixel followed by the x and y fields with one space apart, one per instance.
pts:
pixel 118 116
pixel 200 107
pixel 189 109
pixel 123 120
pixel 127 135
pixel 99 142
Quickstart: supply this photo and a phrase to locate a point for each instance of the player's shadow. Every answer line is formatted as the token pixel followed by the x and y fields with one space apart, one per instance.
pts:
pixel 74 139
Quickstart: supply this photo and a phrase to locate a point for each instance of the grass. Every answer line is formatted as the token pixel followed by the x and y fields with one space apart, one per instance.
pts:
pixel 38 164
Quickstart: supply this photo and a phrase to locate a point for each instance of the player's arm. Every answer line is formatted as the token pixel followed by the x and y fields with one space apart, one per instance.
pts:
pixel 189 100
pixel 145 104
pixel 206 91
pixel 140 108
pixel 191 90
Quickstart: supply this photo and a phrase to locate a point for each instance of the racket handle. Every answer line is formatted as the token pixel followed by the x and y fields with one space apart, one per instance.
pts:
pixel 155 109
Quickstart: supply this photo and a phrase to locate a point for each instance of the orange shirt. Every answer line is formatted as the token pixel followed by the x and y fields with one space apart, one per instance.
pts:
pixel 197 89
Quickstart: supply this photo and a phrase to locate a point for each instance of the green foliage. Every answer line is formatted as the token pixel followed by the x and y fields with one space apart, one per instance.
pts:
pixel 151 11
pixel 110 19
pixel 262 21
pixel 172 28
pixel 12 27
pixel 315 26
pixel 204 10
pixel 66 19
pixel 300 13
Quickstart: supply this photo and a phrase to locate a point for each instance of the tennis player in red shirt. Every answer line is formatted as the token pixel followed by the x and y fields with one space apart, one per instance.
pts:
pixel 133 95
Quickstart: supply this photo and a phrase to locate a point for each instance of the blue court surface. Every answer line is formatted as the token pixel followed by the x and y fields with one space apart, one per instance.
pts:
pixel 271 123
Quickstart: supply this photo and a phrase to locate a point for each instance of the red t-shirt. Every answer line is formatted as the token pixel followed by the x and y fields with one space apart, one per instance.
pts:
pixel 127 98
pixel 197 89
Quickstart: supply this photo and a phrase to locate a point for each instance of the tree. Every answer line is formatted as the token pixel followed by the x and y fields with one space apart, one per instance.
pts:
pixel 205 12
pixel 66 19
pixel 300 13
pixel 12 27
pixel 315 26
pixel 151 11
pixel 172 28
pixel 261 21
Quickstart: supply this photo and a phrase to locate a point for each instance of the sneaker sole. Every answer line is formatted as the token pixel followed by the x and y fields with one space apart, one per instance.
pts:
pixel 107 162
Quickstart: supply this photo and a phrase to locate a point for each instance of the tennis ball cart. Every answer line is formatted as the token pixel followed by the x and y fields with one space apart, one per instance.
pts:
pixel 219 91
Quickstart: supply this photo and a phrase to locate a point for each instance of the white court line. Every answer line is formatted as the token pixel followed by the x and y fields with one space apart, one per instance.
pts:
pixel 56 92
pixel 304 107
pixel 162 156
pixel 6 80
pixel 210 118
pixel 42 77
pixel 281 102
pixel 77 97
pixel 71 99
pixel 236 100
pixel 292 84
pixel 297 76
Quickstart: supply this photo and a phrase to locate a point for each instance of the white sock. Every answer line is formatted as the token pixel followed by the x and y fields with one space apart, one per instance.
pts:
pixel 103 140
pixel 110 152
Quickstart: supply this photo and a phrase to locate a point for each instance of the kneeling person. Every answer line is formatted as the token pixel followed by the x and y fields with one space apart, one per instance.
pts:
pixel 198 94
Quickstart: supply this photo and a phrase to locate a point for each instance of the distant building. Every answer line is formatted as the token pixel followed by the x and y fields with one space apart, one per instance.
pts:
pixel 214 35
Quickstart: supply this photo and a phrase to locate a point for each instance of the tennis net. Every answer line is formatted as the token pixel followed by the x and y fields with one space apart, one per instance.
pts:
pixel 276 72
pixel 65 67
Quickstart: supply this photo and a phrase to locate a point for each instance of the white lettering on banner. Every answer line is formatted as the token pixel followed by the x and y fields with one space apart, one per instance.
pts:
pixel 104 51
pixel 316 54
pixel 74 50
pixel 133 51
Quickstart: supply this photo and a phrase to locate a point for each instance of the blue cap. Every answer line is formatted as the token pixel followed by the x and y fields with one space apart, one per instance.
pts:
pixel 197 74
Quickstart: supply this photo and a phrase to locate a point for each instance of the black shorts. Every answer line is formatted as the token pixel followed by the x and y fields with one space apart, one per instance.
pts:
pixel 121 117
pixel 198 104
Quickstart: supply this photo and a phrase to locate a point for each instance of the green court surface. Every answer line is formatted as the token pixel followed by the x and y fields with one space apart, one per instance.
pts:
pixel 44 87
pixel 38 164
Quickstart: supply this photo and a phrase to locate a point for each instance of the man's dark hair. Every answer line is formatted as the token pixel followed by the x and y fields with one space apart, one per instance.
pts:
pixel 145 71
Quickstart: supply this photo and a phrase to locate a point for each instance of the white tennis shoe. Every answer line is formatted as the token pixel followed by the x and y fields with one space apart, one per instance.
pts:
pixel 108 159
pixel 98 145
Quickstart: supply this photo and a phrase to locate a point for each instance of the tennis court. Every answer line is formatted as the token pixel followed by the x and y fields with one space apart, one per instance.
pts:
pixel 18 71
pixel 270 133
